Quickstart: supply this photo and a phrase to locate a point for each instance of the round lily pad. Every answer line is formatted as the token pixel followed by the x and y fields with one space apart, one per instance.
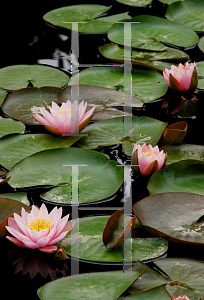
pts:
pixel 21 104
pixel 169 1
pixel 151 31
pixel 98 177
pixel 147 84
pixel 89 241
pixel 200 67
pixel 136 2
pixel 104 99
pixel 182 152
pixel 3 94
pixel 8 126
pixel 153 294
pixel 28 144
pixel 177 215
pixel 21 197
pixel 84 15
pixel 146 58
pixel 106 285
pixel 201 44
pixel 19 76
pixel 187 276
pixel 112 132
pixel 189 13
pixel 183 176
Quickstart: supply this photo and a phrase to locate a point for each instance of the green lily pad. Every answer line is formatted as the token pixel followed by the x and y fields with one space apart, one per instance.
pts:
pixel 169 1
pixel 90 286
pixel 179 152
pixel 8 126
pixel 189 13
pixel 99 178
pixel 201 44
pixel 19 76
pixel 136 2
pixel 147 84
pixel 177 215
pixel 201 84
pixel 3 94
pixel 110 132
pixel 187 276
pixel 104 99
pixel 21 197
pixel 28 144
pixel 86 13
pixel 21 104
pixel 146 58
pixel 200 66
pixel 153 294
pixel 183 176
pixel 151 31
pixel 91 247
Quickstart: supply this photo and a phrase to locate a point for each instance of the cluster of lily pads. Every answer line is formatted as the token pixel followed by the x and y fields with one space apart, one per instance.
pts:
pixel 70 157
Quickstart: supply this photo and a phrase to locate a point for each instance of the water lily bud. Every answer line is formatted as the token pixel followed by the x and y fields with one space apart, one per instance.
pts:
pixel 70 118
pixel 182 78
pixel 180 298
pixel 147 159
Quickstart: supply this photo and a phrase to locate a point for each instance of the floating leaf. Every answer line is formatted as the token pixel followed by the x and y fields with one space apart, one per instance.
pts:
pixel 187 276
pixel 117 228
pixel 150 279
pixel 28 144
pixel 3 94
pixel 19 76
pixel 21 197
pixel 183 176
pixel 200 66
pixel 98 177
pixel 201 44
pixel 147 84
pixel 84 15
pixel 146 58
pixel 110 132
pixel 183 152
pixel 103 98
pixel 7 208
pixel 8 126
pixel 174 133
pixel 188 13
pixel 153 294
pixel 177 215
pixel 21 104
pixel 169 1
pixel 136 2
pixel 88 239
pixel 162 30
pixel 100 285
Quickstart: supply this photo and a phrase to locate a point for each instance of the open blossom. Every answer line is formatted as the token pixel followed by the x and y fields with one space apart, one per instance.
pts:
pixel 149 159
pixel 70 118
pixel 182 78
pixel 38 229
pixel 180 298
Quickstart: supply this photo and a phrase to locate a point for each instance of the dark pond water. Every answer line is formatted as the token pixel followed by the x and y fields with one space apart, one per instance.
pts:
pixel 26 39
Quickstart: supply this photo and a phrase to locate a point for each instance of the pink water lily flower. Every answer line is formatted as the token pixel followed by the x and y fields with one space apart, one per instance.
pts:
pixel 147 159
pixel 180 298
pixel 70 118
pixel 38 229
pixel 182 78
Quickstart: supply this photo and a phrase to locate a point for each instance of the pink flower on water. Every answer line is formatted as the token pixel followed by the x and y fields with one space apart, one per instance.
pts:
pixel 180 298
pixel 147 158
pixel 183 78
pixel 38 229
pixel 70 118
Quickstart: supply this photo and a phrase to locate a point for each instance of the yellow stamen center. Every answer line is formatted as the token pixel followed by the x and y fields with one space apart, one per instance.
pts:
pixel 149 154
pixel 69 111
pixel 178 73
pixel 38 226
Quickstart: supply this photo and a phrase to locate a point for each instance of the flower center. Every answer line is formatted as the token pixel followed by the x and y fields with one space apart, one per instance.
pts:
pixel 149 154
pixel 69 111
pixel 38 226
pixel 178 73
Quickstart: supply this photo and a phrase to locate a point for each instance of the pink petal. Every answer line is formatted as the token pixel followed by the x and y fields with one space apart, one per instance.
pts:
pixel 30 244
pixel 40 119
pixel 21 224
pixel 49 249
pixel 15 241
pixel 43 242
pixel 17 234
pixel 34 211
pixel 58 238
